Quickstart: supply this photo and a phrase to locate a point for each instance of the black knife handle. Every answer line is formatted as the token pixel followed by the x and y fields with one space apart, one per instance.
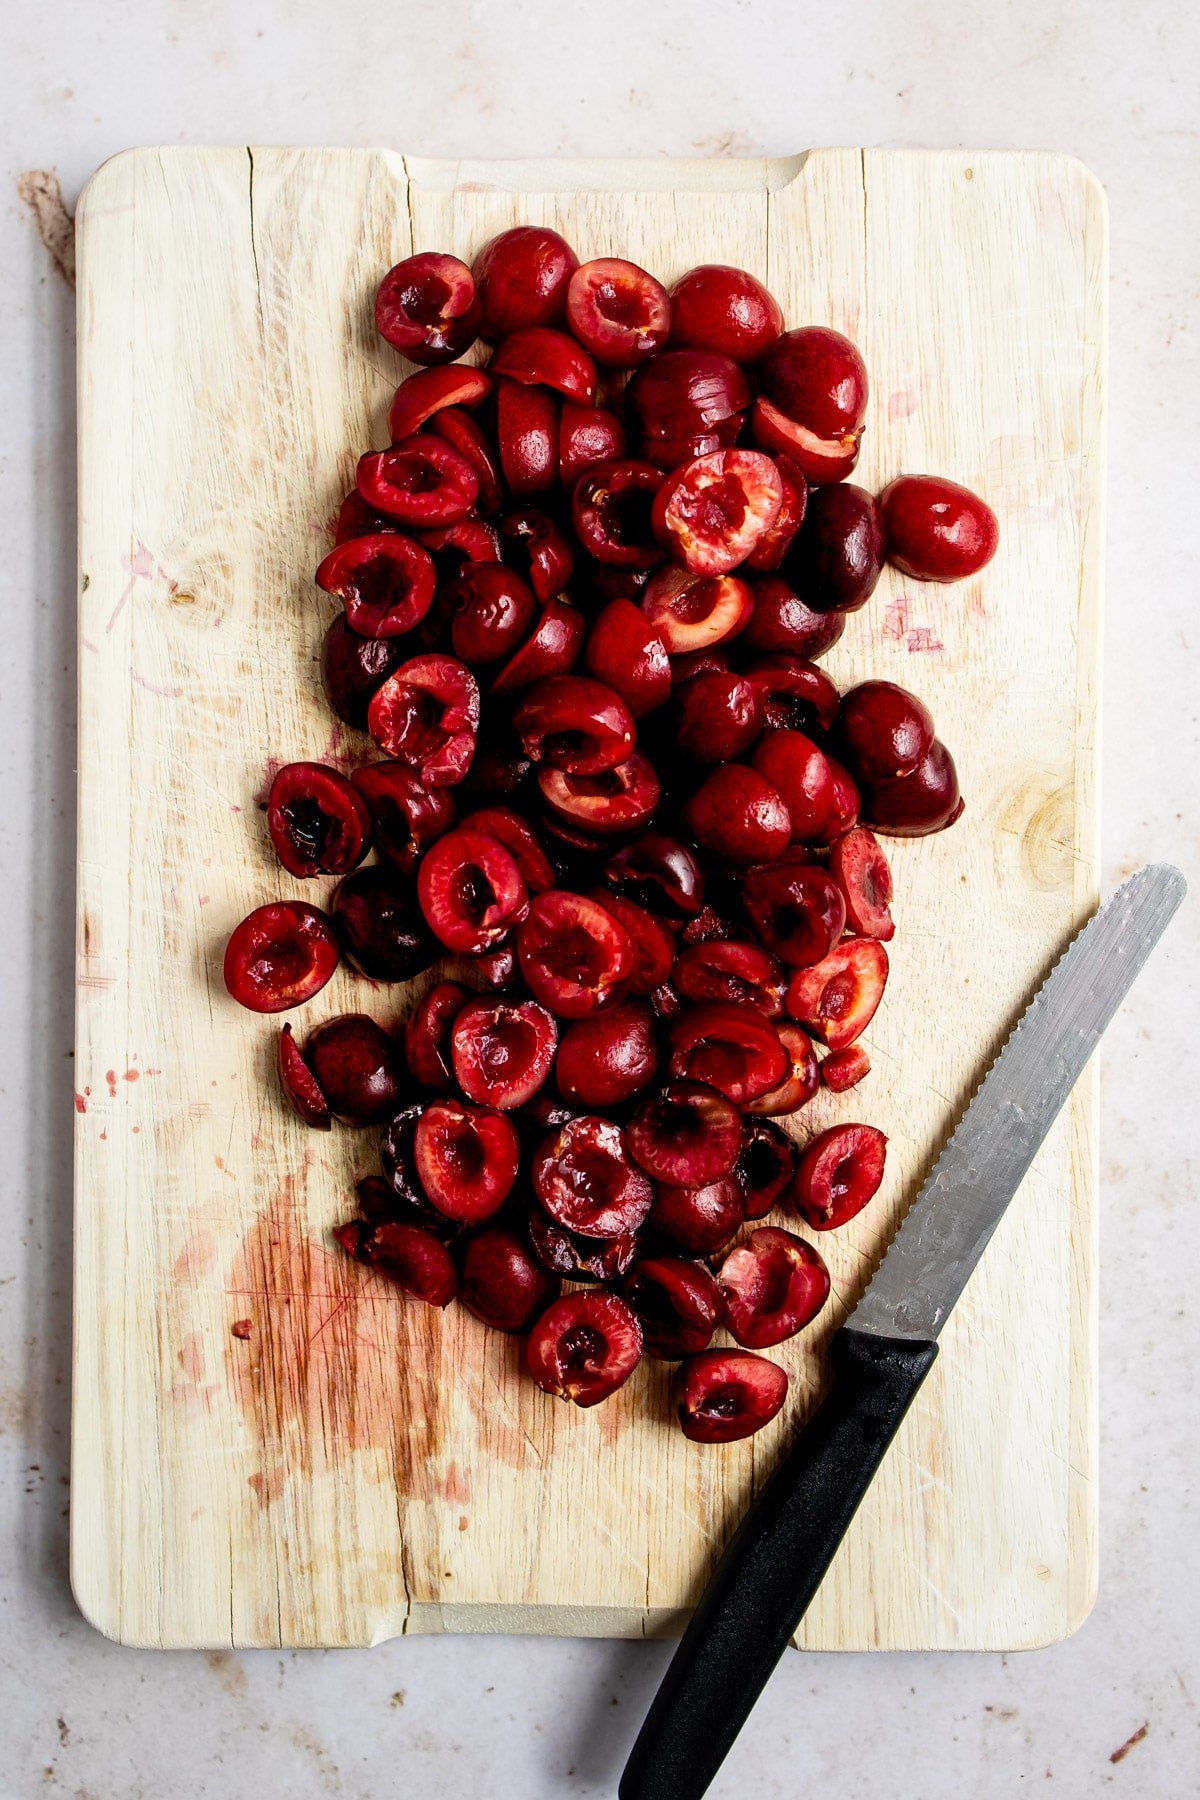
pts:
pixel 772 1567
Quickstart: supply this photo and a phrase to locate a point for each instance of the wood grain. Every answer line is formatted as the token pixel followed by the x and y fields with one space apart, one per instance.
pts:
pixel 358 1466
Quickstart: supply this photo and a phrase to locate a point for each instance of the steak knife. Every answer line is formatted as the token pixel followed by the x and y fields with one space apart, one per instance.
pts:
pixel 778 1556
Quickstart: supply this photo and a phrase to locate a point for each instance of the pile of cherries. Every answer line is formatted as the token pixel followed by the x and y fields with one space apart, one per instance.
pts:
pixel 584 589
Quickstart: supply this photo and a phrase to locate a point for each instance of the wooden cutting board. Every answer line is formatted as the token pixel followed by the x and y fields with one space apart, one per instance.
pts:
pixel 359 1465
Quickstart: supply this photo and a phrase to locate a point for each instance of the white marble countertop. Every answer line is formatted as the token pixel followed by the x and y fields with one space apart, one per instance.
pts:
pixel 462 1717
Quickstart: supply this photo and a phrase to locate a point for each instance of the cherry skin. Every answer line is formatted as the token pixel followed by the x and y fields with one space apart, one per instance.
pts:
pixel 937 530
pixel 716 307
pixel 618 311
pixel 521 277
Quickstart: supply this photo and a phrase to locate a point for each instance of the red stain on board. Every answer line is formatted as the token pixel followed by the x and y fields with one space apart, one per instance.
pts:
pixel 132 1075
pixel 80 1103
pixel 266 1486
pixel 922 639
pixel 895 619
pixel 903 403
pixel 110 1075
pixel 191 1357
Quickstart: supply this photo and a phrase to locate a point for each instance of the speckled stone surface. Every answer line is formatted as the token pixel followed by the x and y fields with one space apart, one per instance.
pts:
pixel 475 1718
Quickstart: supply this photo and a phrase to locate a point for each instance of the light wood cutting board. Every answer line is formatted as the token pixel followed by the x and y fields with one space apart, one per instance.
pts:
pixel 361 1466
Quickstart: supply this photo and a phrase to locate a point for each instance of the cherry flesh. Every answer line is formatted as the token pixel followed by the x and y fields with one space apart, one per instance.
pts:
pixel 839 1172
pixel 319 823
pixel 584 1347
pixel 677 1303
pixel 427 308
pixel 280 956
pixel 721 1396
pixel 835 1000
pixel 773 1285
pixel 618 311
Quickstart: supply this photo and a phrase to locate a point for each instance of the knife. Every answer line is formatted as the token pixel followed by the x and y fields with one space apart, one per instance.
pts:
pixel 778 1556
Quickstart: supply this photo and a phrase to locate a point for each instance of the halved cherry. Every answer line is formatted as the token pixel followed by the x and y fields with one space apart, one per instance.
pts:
pixel 279 956
pixel 766 1165
pixel 730 1046
pixel 813 401
pixel 519 839
pixel 587 435
pixel 731 970
pixel 847 802
pixel 427 308
pixel 607 1059
pixel 782 621
pixel 839 1172
pixel 426 715
pixel 405 815
pixel 552 648
pixel 738 815
pixel 611 508
pixel 799 771
pixel 837 557
pixel 467 436
pixel 574 954
pixel 527 423
pixel 845 1069
pixel 468 540
pixel 352 667
pixel 543 357
pixel 471 891
pixel 356 519
pixel 491 612
pixel 502 1281
pixel 701 1219
pixel 687 1134
pixel 796 695
pixel 497 969
pixel 421 480
pixel 385 582
pixel 521 276
pixel 319 825
pixel 584 1347
pixel 721 1396
pixel 712 512
pixel 653 944
pixel 883 730
pixel 357 1067
pixel 574 723
pixel 659 871
pixel 421 396
pixel 618 311
pixel 677 1302
pixel 860 868
pixel 768 553
pixel 720 716
pixel 773 1285
pixel 717 307
pixel 797 909
pixel 397 1143
pixel 466 1158
pixel 379 924
pixel 502 1051
pixel 836 999
pixel 575 1257
pixel 500 769
pixel 800 1083
pixel 539 549
pixel 694 612
pixel 687 403
pixel 625 651
pixel 427 1035
pixel 414 1258
pixel 301 1089
pixel 621 799
pixel 914 805
pixel 585 1180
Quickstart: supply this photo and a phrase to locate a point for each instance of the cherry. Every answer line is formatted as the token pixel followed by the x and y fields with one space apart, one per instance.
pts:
pixel 686 403
pixel 499 770
pixel 607 1059
pixel 723 1395
pixel 357 1067
pixel 660 872
pixel 883 730
pixel 585 1181
pixel 737 814
pixel 426 715
pixel 813 401
pixel 421 480
pixel 521 277
pixel 385 581
pixel 502 1050
pixel 730 1046
pixel 543 358
pixel 712 512
pixel 352 667
pixel 716 307
pixel 781 620
pixel 301 1089
pixel 471 891
pixel 492 611
pixel 405 1253
pixel 574 723
pixel 800 1082
pixel 618 311
pixel 468 540
pixel 497 969
pixel 587 435
pixel 653 944
pixel 427 308
pixel 773 1285
pixel 379 924
pixel 584 1347
pixel 698 1219
pixel 612 513
pixel 423 396
pixel 766 1166
pixel 677 1303
pixel 397 1153
pixel 695 612
pixel 847 802
pixel 708 927
pixel 405 815
pixel 796 695
pixel 527 427
pixel 319 824
pixel 501 1280
pixel 731 969
pixel 427 1035
pixel 768 553
pixel 687 1134
pixel 839 1172
pixel 279 956
pixel 536 546
pixel 937 530
pixel 579 1258
pixel 835 1000
pixel 552 648
pixel 574 954
pixel 845 1068
pixel 916 804
pixel 519 839
pixel 356 519
pixel 837 557
pixel 798 770
pixel 466 1158
pixel 720 715
pixel 618 800
pixel 625 651
pixel 797 909
pixel 467 436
